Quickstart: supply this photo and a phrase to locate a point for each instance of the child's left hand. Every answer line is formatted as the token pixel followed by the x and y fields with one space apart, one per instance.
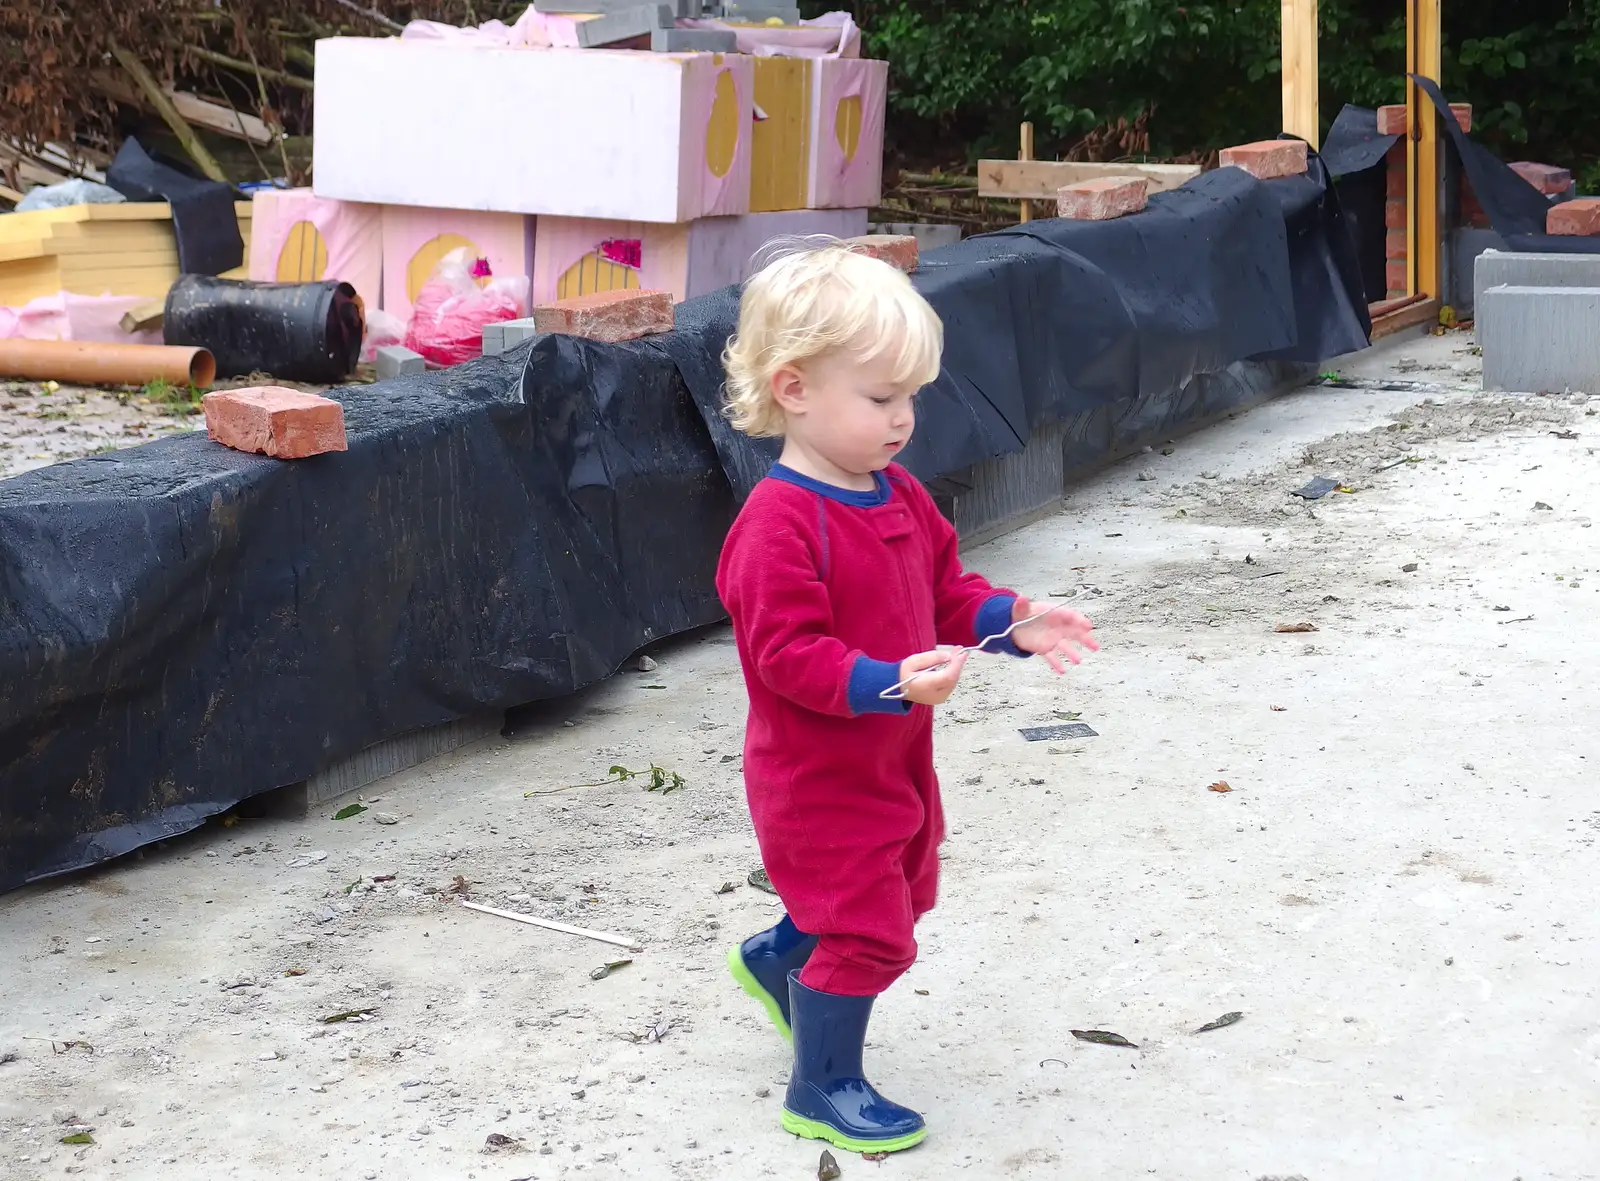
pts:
pixel 1059 634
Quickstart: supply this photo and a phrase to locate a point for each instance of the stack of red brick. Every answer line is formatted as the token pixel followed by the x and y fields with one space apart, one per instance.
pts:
pixel 1549 180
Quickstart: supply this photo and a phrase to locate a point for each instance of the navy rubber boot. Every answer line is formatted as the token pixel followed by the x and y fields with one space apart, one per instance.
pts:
pixel 829 1099
pixel 762 963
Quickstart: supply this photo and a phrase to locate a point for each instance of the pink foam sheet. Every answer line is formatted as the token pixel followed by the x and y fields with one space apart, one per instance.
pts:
pixel 351 232
pixel 703 190
pixel 656 252
pixel 725 250
pixel 842 178
pixel 504 239
pixel 833 34
pixel 66 316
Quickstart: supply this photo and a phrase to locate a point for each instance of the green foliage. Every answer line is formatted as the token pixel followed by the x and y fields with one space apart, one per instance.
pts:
pixel 966 72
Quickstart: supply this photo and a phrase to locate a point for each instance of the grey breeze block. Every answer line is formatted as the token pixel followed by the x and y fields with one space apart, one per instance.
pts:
pixel 1539 339
pixel 1510 268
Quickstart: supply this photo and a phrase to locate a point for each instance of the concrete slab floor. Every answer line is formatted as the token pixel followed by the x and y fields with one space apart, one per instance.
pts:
pixel 1400 893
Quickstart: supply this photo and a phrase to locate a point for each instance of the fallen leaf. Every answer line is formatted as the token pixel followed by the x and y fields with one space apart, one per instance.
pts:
pixel 295 972
pixel 828 1168
pixel 759 879
pixel 605 970
pixel 349 1015
pixel 78 1138
pixel 1102 1037
pixel 1220 785
pixel 348 811
pixel 1221 1022
pixel 1295 628
pixel 230 821
pixel 922 992
pixel 1278 709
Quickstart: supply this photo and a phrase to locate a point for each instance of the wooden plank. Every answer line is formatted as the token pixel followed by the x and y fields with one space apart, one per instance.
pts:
pixel 1039 180
pixel 1423 57
pixel 1423 311
pixel 197 110
pixel 1301 113
pixel 145 317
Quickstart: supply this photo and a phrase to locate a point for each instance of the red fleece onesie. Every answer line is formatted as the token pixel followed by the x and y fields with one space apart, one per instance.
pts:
pixel 829 590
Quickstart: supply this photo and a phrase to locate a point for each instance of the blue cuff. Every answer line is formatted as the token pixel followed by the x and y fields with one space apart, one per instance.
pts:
pixel 868 679
pixel 993 618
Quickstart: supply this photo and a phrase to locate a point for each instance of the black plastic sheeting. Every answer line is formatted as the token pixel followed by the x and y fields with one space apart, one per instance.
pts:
pixel 1516 209
pixel 1052 318
pixel 183 626
pixel 307 332
pixel 203 217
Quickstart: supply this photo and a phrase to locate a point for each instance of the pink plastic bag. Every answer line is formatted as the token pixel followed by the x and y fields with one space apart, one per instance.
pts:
pixel 451 310
pixel 383 329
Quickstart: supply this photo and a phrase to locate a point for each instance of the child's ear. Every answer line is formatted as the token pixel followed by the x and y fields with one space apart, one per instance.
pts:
pixel 788 391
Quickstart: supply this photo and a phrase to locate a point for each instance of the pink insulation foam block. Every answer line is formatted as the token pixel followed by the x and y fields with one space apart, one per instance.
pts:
pixel 344 241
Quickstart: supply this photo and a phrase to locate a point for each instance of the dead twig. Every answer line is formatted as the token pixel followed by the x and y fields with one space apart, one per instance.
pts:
pixel 157 98
pixel 233 63
pixel 268 115
pixel 370 14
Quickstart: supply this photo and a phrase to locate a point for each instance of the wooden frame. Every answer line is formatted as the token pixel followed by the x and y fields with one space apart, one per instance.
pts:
pixel 1301 118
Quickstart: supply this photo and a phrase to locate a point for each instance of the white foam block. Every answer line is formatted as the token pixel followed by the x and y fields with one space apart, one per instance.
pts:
pixel 571 132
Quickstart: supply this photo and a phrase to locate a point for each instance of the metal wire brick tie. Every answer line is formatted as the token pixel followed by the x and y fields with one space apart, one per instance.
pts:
pixel 897 691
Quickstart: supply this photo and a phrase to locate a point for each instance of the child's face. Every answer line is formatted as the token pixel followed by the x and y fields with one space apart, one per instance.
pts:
pixel 848 411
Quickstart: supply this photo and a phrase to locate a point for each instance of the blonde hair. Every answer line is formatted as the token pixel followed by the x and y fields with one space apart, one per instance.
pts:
pixel 818 296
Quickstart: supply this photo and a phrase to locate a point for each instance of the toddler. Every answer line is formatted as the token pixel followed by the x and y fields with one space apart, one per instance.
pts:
pixel 842 578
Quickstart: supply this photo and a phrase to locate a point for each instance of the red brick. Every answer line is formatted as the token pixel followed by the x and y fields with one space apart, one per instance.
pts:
pixel 1394 244
pixel 1393 120
pixel 1103 198
pixel 1395 174
pixel 608 316
pixel 1396 276
pixel 1394 213
pixel 272 420
pixel 1268 159
pixel 1547 178
pixel 1578 218
pixel 898 250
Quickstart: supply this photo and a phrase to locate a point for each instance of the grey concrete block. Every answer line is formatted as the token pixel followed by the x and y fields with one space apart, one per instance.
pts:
pixel 1510 268
pixel 376 762
pixel 1540 339
pixel 759 12
pixel 494 338
pixel 517 331
pixel 625 24
pixel 393 360
pixel 1463 248
pixel 693 40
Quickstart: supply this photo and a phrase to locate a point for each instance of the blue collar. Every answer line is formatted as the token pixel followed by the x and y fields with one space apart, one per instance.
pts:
pixel 879 494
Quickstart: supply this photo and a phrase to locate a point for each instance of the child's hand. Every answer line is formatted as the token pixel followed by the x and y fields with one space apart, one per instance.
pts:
pixel 933 687
pixel 1060 633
